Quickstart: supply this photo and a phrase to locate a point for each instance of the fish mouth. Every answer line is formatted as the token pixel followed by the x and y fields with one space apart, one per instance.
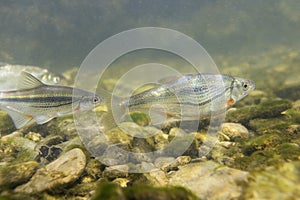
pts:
pixel 252 84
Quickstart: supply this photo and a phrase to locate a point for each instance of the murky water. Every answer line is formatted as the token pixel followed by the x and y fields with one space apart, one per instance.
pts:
pixel 257 40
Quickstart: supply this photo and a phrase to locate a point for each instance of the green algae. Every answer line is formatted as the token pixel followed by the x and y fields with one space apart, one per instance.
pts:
pixel 13 175
pixel 109 191
pixel 139 118
pixel 268 141
pixel 289 151
pixel 268 109
pixel 265 126
pixel 17 149
pixel 280 181
pixel 112 191
pixel 6 124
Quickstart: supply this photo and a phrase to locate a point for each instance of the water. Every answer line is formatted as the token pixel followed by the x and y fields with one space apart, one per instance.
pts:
pixel 257 40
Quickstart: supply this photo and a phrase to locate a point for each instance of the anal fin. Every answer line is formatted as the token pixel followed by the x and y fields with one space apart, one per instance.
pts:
pixel 42 119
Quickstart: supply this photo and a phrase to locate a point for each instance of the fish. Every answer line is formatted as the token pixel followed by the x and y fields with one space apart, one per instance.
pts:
pixel 176 96
pixel 42 102
pixel 9 73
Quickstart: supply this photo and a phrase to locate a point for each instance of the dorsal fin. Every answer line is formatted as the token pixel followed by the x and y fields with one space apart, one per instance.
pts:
pixel 28 81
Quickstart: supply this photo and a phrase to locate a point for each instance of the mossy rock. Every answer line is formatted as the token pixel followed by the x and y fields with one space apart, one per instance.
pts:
pixel 280 181
pixel 13 175
pixel 185 145
pixel 6 124
pixel 289 151
pixel 257 160
pixel 264 126
pixel 109 191
pixel 268 109
pixel 17 149
pixel 112 191
pixel 268 141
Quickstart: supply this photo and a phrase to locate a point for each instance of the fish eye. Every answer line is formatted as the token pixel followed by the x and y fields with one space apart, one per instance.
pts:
pixel 95 100
pixel 245 86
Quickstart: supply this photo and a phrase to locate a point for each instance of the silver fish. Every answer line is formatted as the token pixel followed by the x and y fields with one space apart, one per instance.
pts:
pixel 41 102
pixel 10 73
pixel 182 95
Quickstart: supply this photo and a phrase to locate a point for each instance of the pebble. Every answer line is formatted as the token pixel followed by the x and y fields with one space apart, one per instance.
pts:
pixel 210 180
pixel 234 131
pixel 13 175
pixel 58 174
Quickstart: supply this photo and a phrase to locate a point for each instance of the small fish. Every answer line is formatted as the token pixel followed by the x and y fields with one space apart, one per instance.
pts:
pixel 177 96
pixel 9 73
pixel 41 102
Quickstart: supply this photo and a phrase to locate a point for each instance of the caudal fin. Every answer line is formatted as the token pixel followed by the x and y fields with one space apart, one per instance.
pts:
pixel 18 118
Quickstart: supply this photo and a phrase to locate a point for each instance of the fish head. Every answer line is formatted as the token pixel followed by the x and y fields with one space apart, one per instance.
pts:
pixel 241 87
pixel 89 102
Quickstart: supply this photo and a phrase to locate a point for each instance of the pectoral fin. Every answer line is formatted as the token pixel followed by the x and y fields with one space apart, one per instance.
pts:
pixel 42 119
pixel 18 118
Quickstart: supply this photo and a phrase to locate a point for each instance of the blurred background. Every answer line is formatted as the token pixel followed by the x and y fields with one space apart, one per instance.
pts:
pixel 254 39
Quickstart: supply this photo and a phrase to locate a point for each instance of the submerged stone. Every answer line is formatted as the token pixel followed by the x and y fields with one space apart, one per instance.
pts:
pixel 234 131
pixel 209 180
pixel 56 175
pixel 275 182
pixel 142 192
pixel 16 149
pixel 13 175
pixel 268 109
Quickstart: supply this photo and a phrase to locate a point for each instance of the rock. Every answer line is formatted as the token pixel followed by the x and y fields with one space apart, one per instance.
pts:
pixel 293 114
pixel 209 180
pixel 118 171
pixel 146 192
pixel 117 135
pixel 160 141
pixel 141 192
pixel 268 141
pixel 265 126
pixel 16 149
pixel 219 154
pixel 275 182
pixel 111 191
pixel 56 175
pixel 116 154
pixel 268 109
pixel 157 178
pixel 162 162
pixel 13 175
pixel 182 145
pixel 6 124
pixel 80 191
pixel 48 148
pixel 36 137
pixel 234 130
pixel 93 169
